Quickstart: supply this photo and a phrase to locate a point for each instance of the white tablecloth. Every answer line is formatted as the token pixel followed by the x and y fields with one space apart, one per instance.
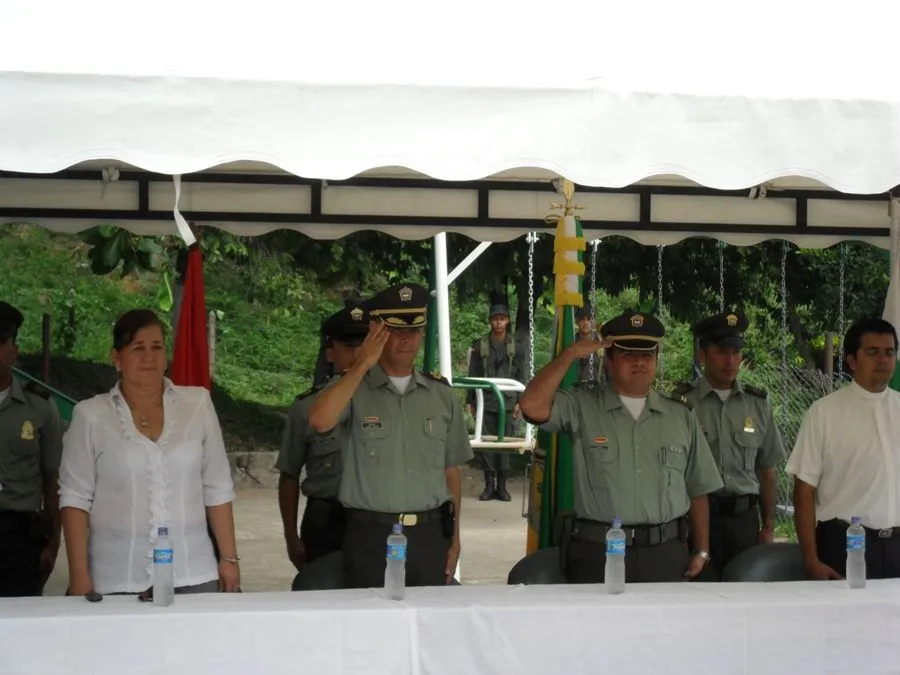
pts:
pixel 800 628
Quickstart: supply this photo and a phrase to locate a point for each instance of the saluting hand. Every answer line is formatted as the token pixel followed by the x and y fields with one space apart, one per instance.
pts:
pixel 368 353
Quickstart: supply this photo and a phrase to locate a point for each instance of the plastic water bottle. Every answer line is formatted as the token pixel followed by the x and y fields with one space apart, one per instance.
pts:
pixel 163 574
pixel 615 559
pixel 395 564
pixel 856 554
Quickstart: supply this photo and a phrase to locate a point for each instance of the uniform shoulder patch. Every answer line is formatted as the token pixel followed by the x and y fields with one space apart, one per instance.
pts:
pixel 435 377
pixel 759 392
pixel 675 396
pixel 33 387
pixel 682 389
pixel 309 392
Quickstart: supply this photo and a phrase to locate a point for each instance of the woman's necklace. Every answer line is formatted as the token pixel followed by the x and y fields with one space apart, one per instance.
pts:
pixel 143 422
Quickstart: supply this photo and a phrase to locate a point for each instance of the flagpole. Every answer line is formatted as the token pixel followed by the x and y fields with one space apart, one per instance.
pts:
pixel 568 269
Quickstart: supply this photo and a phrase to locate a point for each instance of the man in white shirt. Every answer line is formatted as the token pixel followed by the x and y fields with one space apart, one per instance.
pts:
pixel 846 461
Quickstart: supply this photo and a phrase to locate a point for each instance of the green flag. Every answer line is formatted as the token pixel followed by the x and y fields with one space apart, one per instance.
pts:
pixel 556 490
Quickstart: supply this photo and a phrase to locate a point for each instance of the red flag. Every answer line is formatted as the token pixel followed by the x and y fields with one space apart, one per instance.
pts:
pixel 190 359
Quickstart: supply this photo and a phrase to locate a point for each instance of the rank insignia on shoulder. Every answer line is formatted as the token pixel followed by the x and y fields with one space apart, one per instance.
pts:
pixel 437 377
pixel 33 387
pixel 759 392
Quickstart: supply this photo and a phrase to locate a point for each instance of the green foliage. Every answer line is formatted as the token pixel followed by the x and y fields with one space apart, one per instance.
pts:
pixel 271 293
pixel 112 246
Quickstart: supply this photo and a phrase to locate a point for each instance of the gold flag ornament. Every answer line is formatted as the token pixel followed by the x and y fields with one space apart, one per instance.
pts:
pixel 567 244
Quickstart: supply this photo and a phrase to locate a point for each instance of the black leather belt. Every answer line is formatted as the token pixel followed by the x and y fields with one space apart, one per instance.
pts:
pixel 883 533
pixel 732 505
pixel 407 519
pixel 635 535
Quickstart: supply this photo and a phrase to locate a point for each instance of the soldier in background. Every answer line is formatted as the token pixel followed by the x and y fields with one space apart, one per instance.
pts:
pixel 739 426
pixel 30 451
pixel 590 368
pixel 322 527
pixel 497 354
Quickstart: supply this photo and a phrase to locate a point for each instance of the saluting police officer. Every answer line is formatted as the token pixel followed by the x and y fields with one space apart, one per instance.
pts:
pixel 406 438
pixel 30 449
pixel 639 456
pixel 740 429
pixel 322 527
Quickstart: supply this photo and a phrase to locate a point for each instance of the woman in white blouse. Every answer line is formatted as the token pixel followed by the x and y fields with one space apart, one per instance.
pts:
pixel 145 455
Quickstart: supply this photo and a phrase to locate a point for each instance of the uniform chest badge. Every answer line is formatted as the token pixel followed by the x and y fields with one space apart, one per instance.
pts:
pixel 600 440
pixel 372 423
pixel 27 431
pixel 748 425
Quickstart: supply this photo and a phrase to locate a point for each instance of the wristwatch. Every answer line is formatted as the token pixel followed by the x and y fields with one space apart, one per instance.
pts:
pixel 704 555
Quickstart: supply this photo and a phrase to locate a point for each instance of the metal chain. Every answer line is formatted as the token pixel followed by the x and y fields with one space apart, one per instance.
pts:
pixel 531 237
pixel 591 362
pixel 721 277
pixel 841 317
pixel 784 333
pixel 661 368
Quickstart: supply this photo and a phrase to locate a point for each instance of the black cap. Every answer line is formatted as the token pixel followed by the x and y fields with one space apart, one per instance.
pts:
pixel 724 330
pixel 11 320
pixel 349 324
pixel 499 309
pixel 583 312
pixel 634 331
pixel 400 306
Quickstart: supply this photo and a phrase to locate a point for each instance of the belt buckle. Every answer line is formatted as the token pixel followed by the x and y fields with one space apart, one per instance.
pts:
pixel 886 532
pixel 408 519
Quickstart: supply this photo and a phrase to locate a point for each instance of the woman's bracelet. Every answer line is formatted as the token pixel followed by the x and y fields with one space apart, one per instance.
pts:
pixel 233 561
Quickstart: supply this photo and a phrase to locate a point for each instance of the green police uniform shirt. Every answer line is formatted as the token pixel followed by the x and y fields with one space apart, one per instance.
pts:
pixel 643 471
pixel 30 447
pixel 740 431
pixel 507 359
pixel 399 445
pixel 302 446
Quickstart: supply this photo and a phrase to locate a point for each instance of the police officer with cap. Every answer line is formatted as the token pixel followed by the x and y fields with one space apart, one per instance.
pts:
pixel 322 527
pixel 739 426
pixel 30 450
pixel 497 354
pixel 406 438
pixel 638 455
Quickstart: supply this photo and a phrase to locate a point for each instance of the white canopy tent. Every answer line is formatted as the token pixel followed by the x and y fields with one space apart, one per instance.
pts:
pixel 417 119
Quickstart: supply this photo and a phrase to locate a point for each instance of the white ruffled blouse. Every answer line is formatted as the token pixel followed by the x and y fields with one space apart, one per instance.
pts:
pixel 131 486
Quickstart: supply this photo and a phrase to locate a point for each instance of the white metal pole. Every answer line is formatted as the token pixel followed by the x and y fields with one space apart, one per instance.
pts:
pixel 442 289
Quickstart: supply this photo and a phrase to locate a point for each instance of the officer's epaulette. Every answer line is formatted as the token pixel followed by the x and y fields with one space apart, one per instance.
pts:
pixel 683 389
pixel 33 387
pixel 436 377
pixel 675 396
pixel 759 392
pixel 309 392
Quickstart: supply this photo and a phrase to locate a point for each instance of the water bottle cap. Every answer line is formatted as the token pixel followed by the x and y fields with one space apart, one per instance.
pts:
pixel 617 523
pixel 163 532
pixel 398 528
pixel 854 520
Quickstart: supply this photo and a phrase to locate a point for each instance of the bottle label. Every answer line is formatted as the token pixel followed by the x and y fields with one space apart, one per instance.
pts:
pixel 162 556
pixel 396 552
pixel 615 547
pixel 856 542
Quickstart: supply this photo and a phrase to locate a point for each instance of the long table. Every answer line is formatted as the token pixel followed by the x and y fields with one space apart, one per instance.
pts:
pixel 796 628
